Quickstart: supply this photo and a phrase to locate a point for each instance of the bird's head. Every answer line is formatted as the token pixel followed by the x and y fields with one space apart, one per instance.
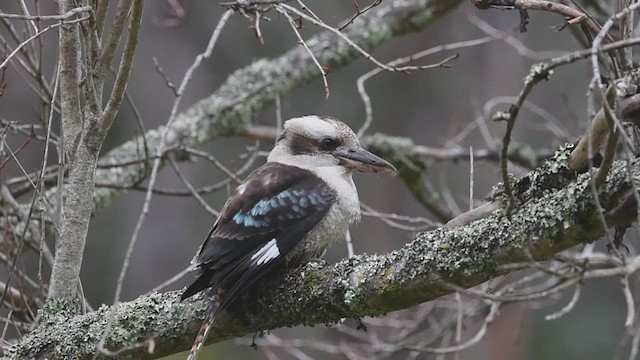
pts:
pixel 315 141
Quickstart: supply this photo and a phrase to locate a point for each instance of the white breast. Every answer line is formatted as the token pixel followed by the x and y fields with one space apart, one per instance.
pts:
pixel 334 226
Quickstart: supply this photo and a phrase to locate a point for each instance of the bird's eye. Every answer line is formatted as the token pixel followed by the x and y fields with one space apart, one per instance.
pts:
pixel 328 144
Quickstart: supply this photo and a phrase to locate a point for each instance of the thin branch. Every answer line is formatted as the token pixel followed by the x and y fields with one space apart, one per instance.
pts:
pixel 64 16
pixel 443 63
pixel 512 41
pixel 359 12
pixel 167 82
pixel 572 15
pixel 340 34
pixel 570 305
pixel 467 344
pixel 631 306
pixel 101 16
pixel 192 190
pixel 126 63
pixel 537 74
pixel 603 34
pixel 35 36
pixel 113 39
pixel 304 44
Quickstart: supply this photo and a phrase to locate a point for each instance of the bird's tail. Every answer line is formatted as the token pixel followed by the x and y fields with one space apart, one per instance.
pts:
pixel 204 329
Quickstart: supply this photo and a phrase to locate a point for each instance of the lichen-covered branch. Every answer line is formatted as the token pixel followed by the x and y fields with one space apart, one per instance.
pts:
pixel 558 212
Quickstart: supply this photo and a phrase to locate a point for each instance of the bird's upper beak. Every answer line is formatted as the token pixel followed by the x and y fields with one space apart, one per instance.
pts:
pixel 362 160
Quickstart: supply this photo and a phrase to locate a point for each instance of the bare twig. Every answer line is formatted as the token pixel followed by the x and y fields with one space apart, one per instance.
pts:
pixel 602 35
pixel 168 82
pixel 66 15
pixel 474 340
pixel 340 34
pixel 110 45
pixel 191 189
pixel 536 74
pixel 512 41
pixel 359 12
pixel 570 305
pixel 35 36
pixel 572 15
pixel 126 63
pixel 393 219
pixel 303 43
pixel 631 305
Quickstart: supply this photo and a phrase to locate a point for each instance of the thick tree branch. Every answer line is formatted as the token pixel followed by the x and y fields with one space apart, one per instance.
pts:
pixel 558 213
pixel 69 54
pixel 70 241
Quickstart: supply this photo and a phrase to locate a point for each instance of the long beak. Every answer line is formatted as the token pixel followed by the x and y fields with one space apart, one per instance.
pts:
pixel 362 160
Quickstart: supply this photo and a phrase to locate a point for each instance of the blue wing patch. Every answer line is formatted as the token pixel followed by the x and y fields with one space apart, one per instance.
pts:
pixel 249 220
pixel 288 205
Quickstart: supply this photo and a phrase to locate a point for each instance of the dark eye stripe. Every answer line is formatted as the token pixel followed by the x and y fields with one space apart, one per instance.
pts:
pixel 303 145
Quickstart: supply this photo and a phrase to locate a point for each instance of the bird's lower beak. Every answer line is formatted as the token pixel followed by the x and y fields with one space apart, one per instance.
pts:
pixel 362 160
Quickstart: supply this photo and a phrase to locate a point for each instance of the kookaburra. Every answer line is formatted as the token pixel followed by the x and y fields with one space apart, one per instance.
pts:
pixel 287 211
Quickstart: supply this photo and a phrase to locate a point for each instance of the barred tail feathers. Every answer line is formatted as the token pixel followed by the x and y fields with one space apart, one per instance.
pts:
pixel 204 330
